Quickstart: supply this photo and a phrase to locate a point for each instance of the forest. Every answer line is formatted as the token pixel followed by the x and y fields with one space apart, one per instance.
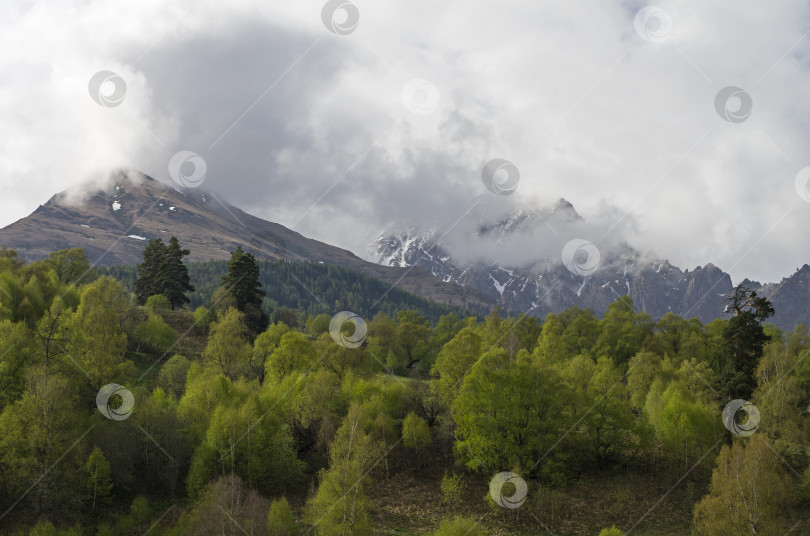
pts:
pixel 178 400
pixel 309 289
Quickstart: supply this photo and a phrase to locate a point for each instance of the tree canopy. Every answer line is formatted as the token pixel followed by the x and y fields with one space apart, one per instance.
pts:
pixel 163 272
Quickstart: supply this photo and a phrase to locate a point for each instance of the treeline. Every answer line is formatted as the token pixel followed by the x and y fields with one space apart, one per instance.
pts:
pixel 118 418
pixel 309 288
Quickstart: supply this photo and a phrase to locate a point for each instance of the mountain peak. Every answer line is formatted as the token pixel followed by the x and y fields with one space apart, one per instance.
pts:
pixel 563 206
pixel 113 216
pixel 122 179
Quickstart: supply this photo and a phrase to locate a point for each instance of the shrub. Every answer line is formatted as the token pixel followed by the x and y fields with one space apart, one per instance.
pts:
pixel 140 510
pixel 452 488
pixel 460 526
pixel 155 333
pixel 158 302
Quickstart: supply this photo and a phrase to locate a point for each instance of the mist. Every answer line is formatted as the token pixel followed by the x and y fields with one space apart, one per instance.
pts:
pixel 342 136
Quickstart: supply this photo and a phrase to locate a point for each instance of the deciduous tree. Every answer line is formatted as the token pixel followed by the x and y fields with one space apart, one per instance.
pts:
pixel 749 494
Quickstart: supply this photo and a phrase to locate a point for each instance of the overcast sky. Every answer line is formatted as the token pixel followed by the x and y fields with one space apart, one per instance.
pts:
pixel 341 130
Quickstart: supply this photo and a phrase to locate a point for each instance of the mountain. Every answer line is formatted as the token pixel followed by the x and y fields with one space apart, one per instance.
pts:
pixel 113 223
pixel 546 285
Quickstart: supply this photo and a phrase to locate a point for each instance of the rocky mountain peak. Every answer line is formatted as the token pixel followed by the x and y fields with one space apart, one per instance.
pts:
pixel 563 207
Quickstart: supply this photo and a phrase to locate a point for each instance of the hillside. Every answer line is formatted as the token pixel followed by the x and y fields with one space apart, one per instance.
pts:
pixel 310 288
pixel 113 223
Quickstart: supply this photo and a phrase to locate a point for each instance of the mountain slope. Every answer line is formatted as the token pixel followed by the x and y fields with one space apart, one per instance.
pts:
pixel 546 285
pixel 113 224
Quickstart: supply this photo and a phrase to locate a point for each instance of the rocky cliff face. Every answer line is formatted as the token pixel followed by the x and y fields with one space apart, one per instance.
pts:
pixel 546 285
pixel 790 298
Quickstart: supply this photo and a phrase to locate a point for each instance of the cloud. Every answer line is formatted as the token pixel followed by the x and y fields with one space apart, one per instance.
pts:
pixel 308 128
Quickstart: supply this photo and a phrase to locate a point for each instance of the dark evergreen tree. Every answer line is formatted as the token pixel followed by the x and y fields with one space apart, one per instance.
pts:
pixel 149 271
pixel 174 274
pixel 743 341
pixel 163 272
pixel 242 282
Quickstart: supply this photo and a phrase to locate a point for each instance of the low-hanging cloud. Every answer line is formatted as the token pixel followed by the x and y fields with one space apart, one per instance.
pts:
pixel 342 135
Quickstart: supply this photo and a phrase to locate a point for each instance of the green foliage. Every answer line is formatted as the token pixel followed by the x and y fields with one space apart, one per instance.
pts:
pixel 265 344
pixel 415 432
pixel 237 439
pixel 607 426
pixel 341 360
pixel 161 438
pixel 744 339
pixel 228 347
pixel 287 316
pixel 460 526
pixel 612 531
pixel 804 485
pixel 340 505
pixel 172 375
pixel 572 332
pixel 227 506
pixel 97 342
pixel 35 432
pixel 203 318
pixel 43 528
pixel 140 510
pixel 782 400
pixel 317 325
pixel 174 274
pixel 413 342
pixel 622 331
pixel 158 302
pixel 294 352
pixel 337 288
pixel 454 362
pixel 644 368
pixel 71 266
pixel 750 492
pixel 226 423
pixel 452 488
pixel 280 521
pixel 16 349
pixel 242 282
pixel 509 412
pixel 98 483
pixel 684 424
pixel 155 334
pixel 163 272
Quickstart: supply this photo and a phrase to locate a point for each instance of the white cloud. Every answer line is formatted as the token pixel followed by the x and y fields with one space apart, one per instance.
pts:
pixel 569 92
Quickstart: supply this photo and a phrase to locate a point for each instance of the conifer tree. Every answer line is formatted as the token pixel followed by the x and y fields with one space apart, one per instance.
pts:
pixel 174 274
pixel 148 281
pixel 163 272
pixel 743 342
pixel 242 282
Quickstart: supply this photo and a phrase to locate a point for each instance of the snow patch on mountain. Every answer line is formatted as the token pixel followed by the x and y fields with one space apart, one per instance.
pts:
pixel 544 284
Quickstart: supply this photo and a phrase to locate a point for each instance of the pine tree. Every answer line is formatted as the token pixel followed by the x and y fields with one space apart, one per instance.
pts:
pixel 149 271
pixel 743 342
pixel 174 274
pixel 163 272
pixel 242 282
